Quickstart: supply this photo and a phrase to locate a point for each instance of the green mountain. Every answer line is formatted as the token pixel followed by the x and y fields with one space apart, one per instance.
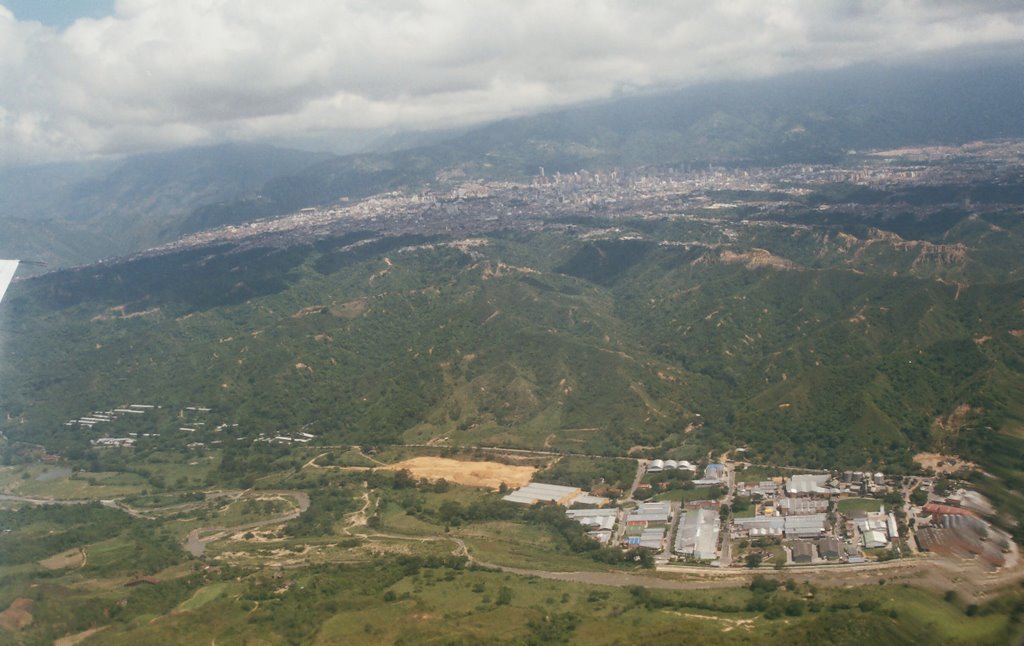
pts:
pixel 821 346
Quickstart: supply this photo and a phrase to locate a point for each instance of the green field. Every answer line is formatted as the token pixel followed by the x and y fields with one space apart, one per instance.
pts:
pixel 522 546
pixel 848 505
pixel 385 603
pixel 758 474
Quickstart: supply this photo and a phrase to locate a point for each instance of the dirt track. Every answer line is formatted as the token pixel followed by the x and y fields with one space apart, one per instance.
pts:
pixel 195 544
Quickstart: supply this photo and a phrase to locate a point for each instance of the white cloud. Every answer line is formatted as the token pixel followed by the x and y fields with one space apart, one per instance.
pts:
pixel 159 74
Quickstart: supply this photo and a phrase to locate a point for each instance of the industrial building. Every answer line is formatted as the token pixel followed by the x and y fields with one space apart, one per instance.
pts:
pixel 697 535
pixel 652 538
pixel 649 513
pixel 829 548
pixel 765 489
pixel 801 506
pixel 599 522
pixel 657 466
pixel 878 522
pixel 593 519
pixel 803 552
pixel 874 538
pixel 713 474
pixel 539 492
pixel 811 526
pixel 760 525
pixel 808 484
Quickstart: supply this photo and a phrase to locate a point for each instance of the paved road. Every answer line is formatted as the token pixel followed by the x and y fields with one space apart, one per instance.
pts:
pixel 641 471
pixel 725 559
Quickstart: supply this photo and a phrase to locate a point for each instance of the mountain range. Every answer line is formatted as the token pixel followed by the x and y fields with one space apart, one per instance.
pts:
pixel 69 214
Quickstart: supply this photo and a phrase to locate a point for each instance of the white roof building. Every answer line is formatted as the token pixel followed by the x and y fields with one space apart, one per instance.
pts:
pixel 652 538
pixel 809 526
pixel 874 538
pixel 540 492
pixel 697 535
pixel 597 519
pixel 650 512
pixel 805 484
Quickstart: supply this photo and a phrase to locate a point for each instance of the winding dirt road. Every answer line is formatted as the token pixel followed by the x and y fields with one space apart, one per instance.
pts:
pixel 196 542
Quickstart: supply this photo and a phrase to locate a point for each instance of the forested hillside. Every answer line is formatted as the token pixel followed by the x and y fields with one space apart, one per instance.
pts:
pixel 811 345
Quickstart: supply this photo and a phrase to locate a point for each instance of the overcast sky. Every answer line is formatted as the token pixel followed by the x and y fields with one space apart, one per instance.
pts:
pixel 138 75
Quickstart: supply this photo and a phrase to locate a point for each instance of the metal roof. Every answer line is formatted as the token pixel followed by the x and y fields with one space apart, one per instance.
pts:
pixel 698 534
pixel 807 483
pixel 536 491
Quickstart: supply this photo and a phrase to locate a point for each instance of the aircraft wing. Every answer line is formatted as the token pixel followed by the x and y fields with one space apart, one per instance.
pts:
pixel 7 269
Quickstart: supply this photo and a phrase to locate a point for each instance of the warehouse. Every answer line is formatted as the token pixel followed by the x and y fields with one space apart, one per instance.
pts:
pixel 697 535
pixel 760 525
pixel 652 538
pixel 874 539
pixel 594 519
pixel 803 552
pixel 812 526
pixel 539 492
pixel 807 484
pixel 649 513
pixel 829 548
pixel 802 506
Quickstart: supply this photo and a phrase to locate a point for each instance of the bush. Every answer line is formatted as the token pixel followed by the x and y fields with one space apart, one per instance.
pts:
pixel 867 605
pixel 764 584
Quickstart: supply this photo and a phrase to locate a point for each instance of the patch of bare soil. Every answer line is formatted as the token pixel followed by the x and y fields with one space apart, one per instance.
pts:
pixel 757 258
pixel 77 638
pixel 942 463
pixel 306 311
pixel 349 310
pixel 474 474
pixel 952 423
pixel 17 616
pixel 71 558
pixel 499 269
pixel 119 313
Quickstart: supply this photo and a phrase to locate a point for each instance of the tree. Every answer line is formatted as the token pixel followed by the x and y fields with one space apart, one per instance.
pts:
pixel 754 560
pixel 504 596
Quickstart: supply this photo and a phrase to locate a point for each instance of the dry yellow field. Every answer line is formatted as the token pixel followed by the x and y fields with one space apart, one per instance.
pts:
pixel 473 474
pixel 71 558
pixel 940 463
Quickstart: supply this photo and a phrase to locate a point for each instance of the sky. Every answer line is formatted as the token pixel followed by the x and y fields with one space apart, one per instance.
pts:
pixel 82 79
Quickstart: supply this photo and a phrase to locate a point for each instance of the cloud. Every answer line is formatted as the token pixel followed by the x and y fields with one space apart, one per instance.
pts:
pixel 160 74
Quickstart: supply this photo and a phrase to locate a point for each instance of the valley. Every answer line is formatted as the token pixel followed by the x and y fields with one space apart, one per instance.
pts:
pixel 222 430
